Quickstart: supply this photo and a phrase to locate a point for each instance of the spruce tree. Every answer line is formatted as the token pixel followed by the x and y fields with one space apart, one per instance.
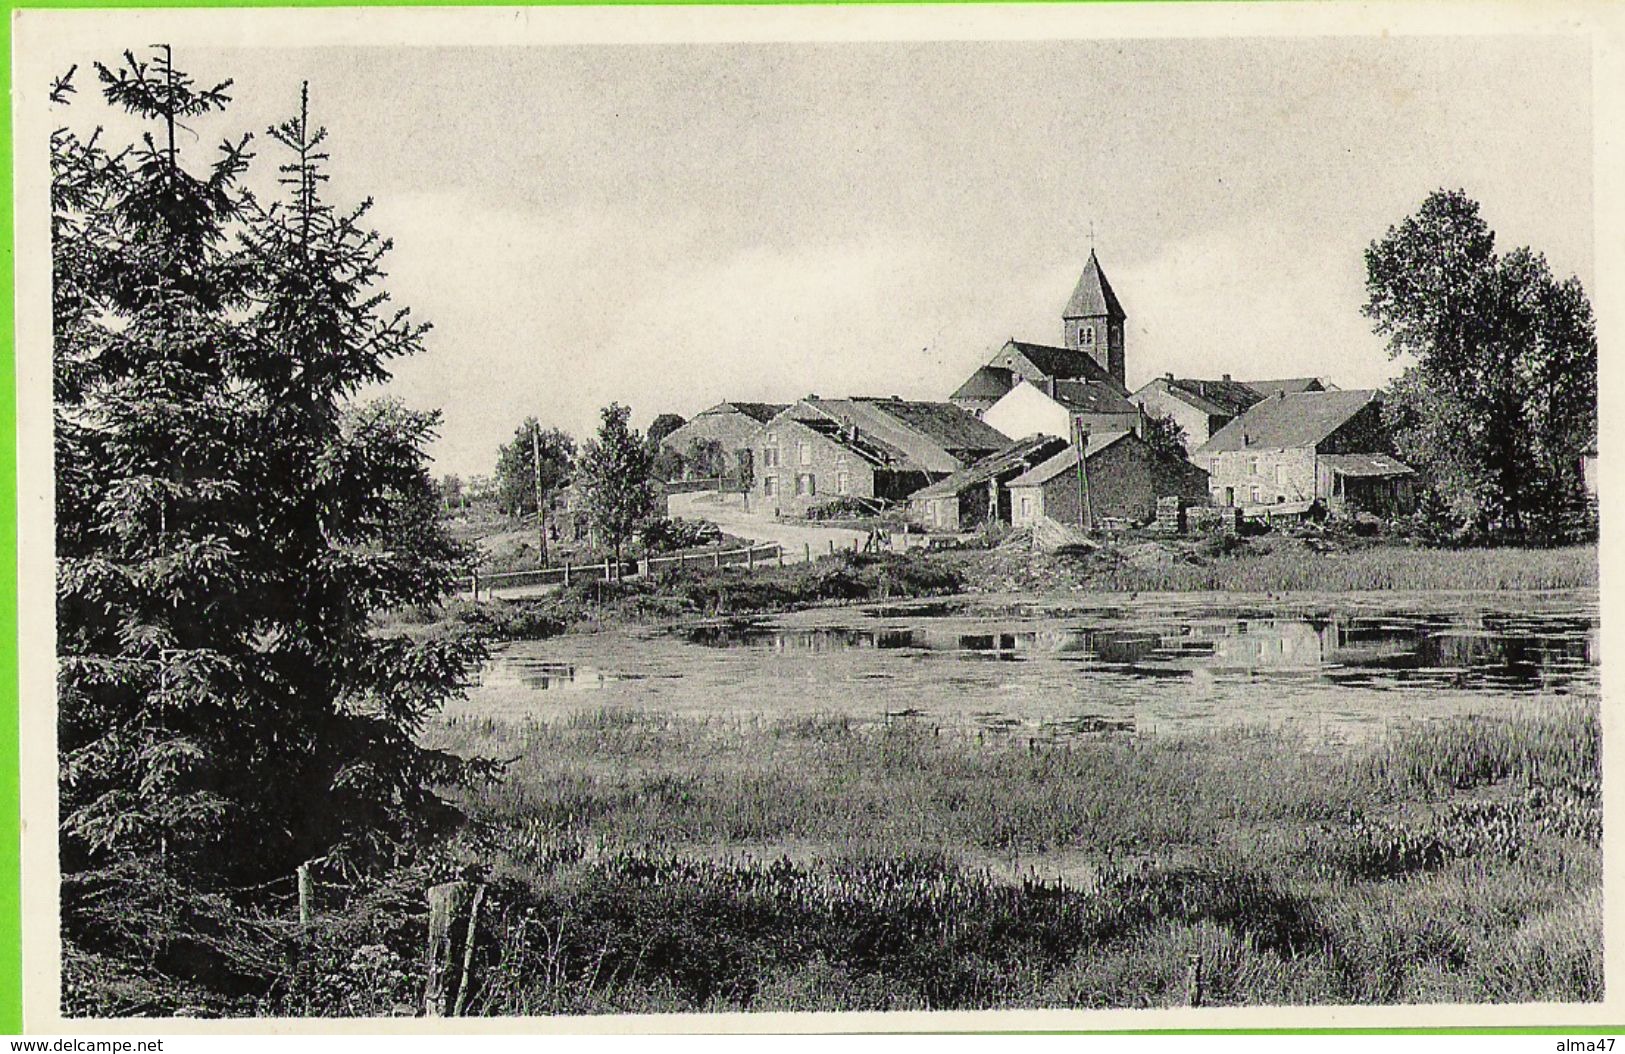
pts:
pixel 230 520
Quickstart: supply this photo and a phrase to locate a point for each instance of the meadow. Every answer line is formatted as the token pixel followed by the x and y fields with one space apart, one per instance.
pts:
pixel 646 863
pixel 822 864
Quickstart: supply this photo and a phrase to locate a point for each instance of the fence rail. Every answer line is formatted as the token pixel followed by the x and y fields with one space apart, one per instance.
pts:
pixel 750 556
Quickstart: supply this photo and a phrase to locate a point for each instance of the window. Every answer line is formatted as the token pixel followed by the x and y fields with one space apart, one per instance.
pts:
pixel 770 485
pixel 1252 466
pixel 1280 473
pixel 804 453
pixel 1256 496
pixel 1086 336
pixel 843 483
pixel 1026 507
pixel 806 485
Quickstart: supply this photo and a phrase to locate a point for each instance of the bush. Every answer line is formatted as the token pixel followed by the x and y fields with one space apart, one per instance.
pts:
pixel 844 508
pixel 665 535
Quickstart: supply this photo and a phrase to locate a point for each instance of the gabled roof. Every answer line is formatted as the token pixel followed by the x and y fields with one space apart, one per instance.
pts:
pixel 875 451
pixel 759 411
pixel 1366 465
pixel 1066 460
pixel 989 382
pixel 1093 295
pixel 950 427
pixel 1289 421
pixel 1216 398
pixel 1062 362
pixel 1290 385
pixel 1019 456
pixel 1089 397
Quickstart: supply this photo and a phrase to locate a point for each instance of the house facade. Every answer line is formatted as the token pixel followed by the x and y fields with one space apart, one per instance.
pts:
pixel 1049 408
pixel 1312 446
pixel 979 494
pixel 731 424
pixel 803 462
pixel 1122 479
pixel 1199 407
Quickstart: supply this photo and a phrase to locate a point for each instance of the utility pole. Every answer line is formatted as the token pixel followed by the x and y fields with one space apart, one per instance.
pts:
pixel 1080 440
pixel 541 504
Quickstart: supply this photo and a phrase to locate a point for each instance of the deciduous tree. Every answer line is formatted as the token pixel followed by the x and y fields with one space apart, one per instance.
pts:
pixel 615 470
pixel 1499 399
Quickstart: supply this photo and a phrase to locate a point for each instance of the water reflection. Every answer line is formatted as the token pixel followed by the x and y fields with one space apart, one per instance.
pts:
pixel 1457 650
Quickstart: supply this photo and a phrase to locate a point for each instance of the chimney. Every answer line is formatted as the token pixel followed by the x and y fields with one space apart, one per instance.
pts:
pixel 1201 388
pixel 1280 393
pixel 1168 376
pixel 1227 378
pixel 1246 440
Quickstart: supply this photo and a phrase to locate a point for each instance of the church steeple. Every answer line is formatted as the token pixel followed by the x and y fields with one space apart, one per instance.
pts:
pixel 1093 320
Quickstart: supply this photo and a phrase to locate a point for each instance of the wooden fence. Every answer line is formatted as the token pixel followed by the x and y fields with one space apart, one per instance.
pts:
pixel 750 556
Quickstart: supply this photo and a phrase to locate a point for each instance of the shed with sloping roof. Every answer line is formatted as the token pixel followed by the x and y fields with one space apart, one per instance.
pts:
pixel 977 495
pixel 1122 479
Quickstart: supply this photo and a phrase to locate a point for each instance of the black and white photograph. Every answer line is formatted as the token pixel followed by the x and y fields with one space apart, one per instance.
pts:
pixel 1086 513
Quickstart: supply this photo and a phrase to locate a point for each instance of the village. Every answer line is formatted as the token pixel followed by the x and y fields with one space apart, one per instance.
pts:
pixel 1042 439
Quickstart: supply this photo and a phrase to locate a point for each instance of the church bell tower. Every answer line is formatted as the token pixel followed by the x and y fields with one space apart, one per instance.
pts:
pixel 1093 320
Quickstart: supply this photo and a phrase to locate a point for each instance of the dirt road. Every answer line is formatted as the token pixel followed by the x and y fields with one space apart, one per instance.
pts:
pixel 728 512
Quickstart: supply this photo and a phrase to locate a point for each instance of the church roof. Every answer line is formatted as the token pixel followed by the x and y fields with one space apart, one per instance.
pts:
pixel 1063 363
pixel 1093 295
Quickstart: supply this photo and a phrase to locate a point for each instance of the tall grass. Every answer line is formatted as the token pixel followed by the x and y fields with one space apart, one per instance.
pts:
pixel 1294 569
pixel 652 863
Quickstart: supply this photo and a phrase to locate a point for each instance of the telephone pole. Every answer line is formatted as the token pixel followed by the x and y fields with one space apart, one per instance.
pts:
pixel 1080 440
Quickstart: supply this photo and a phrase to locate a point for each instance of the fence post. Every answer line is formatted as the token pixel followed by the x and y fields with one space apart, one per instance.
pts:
pixel 779 551
pixel 1193 980
pixel 474 582
pixel 716 556
pixel 307 895
pixel 567 572
pixel 451 946
pixel 750 558
pixel 808 547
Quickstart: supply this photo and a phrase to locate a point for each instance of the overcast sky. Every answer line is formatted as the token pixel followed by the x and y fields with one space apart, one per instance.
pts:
pixel 671 226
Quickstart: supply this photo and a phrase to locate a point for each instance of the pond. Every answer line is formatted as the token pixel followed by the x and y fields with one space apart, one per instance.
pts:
pixel 1336 665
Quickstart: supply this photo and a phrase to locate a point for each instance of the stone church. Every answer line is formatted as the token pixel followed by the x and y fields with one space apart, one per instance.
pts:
pixel 1082 376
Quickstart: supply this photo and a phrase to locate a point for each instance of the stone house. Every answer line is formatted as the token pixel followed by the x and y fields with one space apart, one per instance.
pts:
pixel 979 493
pixel 818 450
pixel 732 424
pixel 1122 479
pixel 1307 447
pixel 1199 407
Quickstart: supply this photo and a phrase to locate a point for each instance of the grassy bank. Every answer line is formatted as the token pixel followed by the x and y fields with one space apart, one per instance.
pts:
pixel 708 591
pixel 1284 564
pixel 657 864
